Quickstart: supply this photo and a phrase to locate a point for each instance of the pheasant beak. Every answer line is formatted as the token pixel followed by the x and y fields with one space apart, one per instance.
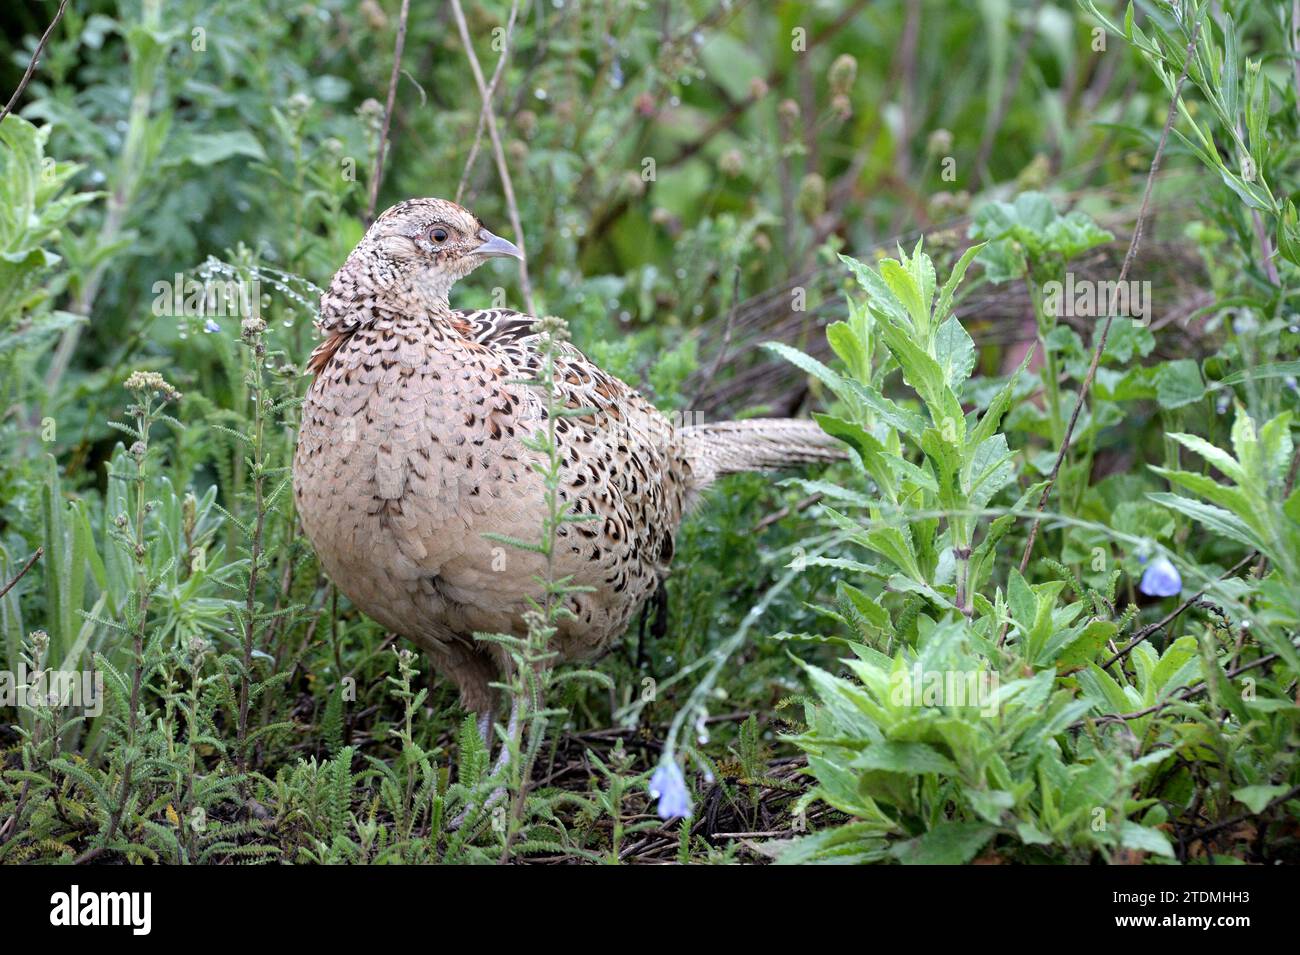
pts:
pixel 496 247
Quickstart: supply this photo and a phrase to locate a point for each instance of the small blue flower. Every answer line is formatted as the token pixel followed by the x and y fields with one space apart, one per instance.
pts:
pixel 1161 579
pixel 668 786
pixel 211 327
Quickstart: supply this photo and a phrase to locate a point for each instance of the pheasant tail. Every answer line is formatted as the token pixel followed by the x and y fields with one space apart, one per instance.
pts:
pixel 758 444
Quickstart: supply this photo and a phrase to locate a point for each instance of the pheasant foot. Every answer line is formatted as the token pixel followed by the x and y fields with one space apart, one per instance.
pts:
pixel 502 760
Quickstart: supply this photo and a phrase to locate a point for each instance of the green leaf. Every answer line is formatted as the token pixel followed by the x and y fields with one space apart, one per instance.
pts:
pixel 902 757
pixel 1031 835
pixel 991 469
pixel 1085 647
pixel 905 289
pixel 208 149
pixel 895 544
pixel 1144 839
pixel 811 366
pixel 1257 798
pixel 1224 495
pixel 1215 518
pixel 870 451
pixel 992 416
pixel 1175 669
pixel 955 351
pixel 954 279
pixel 874 614
pixel 1106 689
pixel 881 298
pixel 844 340
pixel 1221 459
pixel 1179 383
pixel 948 843
pixel 923 373
pixel 851 844
pixel 1024 605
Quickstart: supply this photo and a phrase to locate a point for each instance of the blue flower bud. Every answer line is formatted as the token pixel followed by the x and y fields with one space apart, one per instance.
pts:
pixel 1161 579
pixel 668 786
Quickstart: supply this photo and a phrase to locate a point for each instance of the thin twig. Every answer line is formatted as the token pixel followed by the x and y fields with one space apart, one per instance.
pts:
pixel 1185 694
pixel 1129 256
pixel 388 112
pixel 487 102
pixel 786 511
pixel 507 187
pixel 1200 834
pixel 26 567
pixel 1173 614
pixel 31 66
pixel 726 337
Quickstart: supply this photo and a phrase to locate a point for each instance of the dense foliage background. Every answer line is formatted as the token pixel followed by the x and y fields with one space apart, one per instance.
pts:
pixel 685 175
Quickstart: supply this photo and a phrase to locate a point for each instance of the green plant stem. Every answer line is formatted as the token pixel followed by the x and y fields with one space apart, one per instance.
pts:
pixel 255 548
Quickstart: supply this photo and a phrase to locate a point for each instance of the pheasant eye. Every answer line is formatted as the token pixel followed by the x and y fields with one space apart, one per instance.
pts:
pixel 438 234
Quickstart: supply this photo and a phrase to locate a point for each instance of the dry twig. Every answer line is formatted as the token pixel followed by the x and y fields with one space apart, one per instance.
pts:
pixel 31 66
pixel 1086 386
pixel 388 112
pixel 487 101
pixel 525 285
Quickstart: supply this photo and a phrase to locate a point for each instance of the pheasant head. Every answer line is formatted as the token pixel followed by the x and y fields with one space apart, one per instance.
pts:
pixel 408 261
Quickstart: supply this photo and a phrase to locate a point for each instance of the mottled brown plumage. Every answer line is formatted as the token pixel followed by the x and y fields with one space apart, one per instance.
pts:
pixel 410 452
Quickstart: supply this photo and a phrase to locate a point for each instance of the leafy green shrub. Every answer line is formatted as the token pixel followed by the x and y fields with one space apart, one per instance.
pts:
pixel 981 719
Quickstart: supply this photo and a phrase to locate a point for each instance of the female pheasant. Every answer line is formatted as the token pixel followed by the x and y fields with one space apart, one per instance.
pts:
pixel 410 451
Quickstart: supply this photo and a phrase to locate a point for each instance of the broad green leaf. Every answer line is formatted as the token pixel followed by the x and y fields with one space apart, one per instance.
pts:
pixel 1224 495
pixel 1257 798
pixel 1024 605
pixel 1221 459
pixel 1085 647
pixel 1106 690
pixel 904 287
pixel 1179 383
pixel 955 352
pixel 876 615
pixel 923 373
pixel 948 843
pixel 870 451
pixel 901 419
pixel 208 149
pixel 1275 447
pixel 881 298
pixel 903 757
pixel 1144 839
pixel 844 340
pixel 1172 660
pixel 1215 518
pixel 991 468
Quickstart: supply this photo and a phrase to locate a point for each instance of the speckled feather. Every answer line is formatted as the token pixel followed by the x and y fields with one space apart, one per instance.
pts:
pixel 410 451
